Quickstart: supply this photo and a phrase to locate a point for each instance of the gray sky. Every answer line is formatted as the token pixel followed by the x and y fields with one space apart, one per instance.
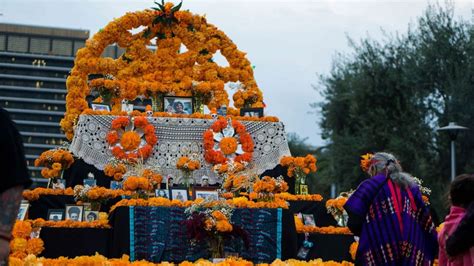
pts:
pixel 289 42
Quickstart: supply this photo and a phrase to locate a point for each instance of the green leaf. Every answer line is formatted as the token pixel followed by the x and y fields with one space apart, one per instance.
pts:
pixel 176 8
pixel 147 33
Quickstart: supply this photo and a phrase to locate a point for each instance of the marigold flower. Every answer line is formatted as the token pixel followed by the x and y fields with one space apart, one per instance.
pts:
pixel 34 246
pixel 18 244
pixel 21 229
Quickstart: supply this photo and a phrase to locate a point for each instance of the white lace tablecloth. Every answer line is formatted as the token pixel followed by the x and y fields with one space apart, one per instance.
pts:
pixel 179 137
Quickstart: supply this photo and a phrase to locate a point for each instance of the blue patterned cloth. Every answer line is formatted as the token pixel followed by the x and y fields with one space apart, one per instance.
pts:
pixel 159 235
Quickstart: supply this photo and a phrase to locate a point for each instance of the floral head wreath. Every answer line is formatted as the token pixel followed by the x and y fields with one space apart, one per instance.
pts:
pixel 366 161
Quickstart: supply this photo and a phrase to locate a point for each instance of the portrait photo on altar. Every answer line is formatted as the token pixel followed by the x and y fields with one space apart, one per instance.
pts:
pixel 206 193
pixel 308 219
pixel 100 107
pixel 178 105
pixel 55 214
pixel 179 194
pixel 23 211
pixel 114 185
pixel 163 193
pixel 91 216
pixel 74 212
pixel 251 112
pixel 59 183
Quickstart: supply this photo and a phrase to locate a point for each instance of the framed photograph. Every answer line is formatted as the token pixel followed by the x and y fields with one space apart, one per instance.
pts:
pixel 91 216
pixel 74 212
pixel 206 193
pixel 178 105
pixel 116 185
pixel 302 253
pixel 23 211
pixel 163 193
pixel 179 194
pixel 126 106
pixel 90 182
pixel 100 107
pixel 55 215
pixel 251 112
pixel 308 219
pixel 59 183
pixel 304 189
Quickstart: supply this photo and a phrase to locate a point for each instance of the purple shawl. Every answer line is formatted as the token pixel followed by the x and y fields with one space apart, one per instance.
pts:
pixel 397 228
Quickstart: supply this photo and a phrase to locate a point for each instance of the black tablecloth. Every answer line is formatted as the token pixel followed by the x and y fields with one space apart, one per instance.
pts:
pixel 72 242
pixel 328 246
pixel 317 208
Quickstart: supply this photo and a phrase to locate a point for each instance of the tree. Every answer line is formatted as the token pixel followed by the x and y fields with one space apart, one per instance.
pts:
pixel 392 95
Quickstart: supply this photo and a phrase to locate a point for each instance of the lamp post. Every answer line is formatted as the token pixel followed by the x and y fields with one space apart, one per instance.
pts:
pixel 453 131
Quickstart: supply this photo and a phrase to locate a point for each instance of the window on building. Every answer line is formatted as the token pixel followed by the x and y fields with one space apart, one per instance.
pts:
pixel 78 45
pixel 39 45
pixel 17 44
pixel 62 47
pixel 3 40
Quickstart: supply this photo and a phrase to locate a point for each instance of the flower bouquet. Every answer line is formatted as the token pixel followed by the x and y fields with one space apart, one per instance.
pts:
pixel 211 224
pixel 299 167
pixel 336 208
pixel 141 179
pixel 187 165
pixel 54 161
pixel 115 169
pixel 265 189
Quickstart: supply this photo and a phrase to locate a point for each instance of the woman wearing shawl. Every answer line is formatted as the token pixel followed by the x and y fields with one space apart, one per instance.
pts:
pixel 389 216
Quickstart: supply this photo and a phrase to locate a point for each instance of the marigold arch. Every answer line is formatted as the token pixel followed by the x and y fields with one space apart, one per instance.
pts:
pixel 164 71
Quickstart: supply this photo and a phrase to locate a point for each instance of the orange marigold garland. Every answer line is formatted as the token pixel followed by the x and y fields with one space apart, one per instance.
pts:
pixel 25 241
pixel 54 162
pixel 353 249
pixel 227 142
pixel 131 140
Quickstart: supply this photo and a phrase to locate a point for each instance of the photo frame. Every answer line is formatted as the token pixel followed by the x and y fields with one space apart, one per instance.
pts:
pixel 100 107
pixel 163 193
pixel 90 216
pixel 55 215
pixel 115 185
pixel 90 182
pixel 126 106
pixel 304 189
pixel 302 253
pixel 206 193
pixel 178 105
pixel 74 212
pixel 251 112
pixel 59 183
pixel 23 211
pixel 308 219
pixel 179 194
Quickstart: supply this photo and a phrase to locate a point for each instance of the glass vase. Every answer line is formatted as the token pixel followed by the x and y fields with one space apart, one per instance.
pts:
pixel 216 247
pixel 156 103
pixel 299 180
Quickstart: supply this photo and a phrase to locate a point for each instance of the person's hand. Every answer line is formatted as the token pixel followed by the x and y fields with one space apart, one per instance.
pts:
pixel 4 250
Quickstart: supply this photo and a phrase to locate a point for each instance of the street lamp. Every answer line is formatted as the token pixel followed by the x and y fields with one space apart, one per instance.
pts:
pixel 453 131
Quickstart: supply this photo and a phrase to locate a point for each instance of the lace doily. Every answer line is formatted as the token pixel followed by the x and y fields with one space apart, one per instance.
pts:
pixel 179 137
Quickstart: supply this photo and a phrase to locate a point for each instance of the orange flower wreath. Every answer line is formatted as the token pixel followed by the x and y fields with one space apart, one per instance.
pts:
pixel 125 138
pixel 225 142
